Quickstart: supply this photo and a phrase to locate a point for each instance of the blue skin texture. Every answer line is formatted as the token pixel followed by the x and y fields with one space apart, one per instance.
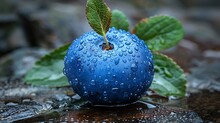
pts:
pixel 109 77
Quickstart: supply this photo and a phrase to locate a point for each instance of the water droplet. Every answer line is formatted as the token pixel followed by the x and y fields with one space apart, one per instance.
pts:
pixel 114 76
pixel 136 48
pixel 92 82
pixel 134 80
pixel 134 67
pixel 124 60
pixel 130 51
pixel 99 55
pixel 121 45
pixel 123 50
pixel 134 40
pixel 92 69
pixel 85 93
pixel 105 99
pixel 108 67
pixel 120 54
pixel 123 72
pixel 133 55
pixel 127 43
pixel 122 85
pixel 109 73
pixel 114 90
pixel 80 48
pixel 104 93
pixel 79 70
pixel 106 81
pixel 104 58
pixel 116 82
pixel 94 60
pixel 117 61
pixel 89 55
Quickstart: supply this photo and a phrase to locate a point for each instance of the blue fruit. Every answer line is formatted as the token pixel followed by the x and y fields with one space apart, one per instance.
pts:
pixel 107 77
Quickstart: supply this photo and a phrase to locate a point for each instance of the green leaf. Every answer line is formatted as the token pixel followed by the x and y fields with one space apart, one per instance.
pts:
pixel 48 71
pixel 98 15
pixel 169 78
pixel 119 20
pixel 159 32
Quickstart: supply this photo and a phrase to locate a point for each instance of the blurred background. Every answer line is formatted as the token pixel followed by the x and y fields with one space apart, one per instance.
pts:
pixel 31 28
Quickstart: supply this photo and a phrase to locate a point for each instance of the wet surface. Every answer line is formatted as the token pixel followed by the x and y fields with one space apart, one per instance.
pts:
pixel 136 112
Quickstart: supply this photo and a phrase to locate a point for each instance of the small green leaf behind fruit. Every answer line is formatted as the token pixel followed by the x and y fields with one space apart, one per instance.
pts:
pixel 119 20
pixel 98 15
pixel 169 78
pixel 48 71
pixel 159 32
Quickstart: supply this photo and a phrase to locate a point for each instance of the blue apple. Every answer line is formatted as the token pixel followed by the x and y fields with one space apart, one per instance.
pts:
pixel 120 75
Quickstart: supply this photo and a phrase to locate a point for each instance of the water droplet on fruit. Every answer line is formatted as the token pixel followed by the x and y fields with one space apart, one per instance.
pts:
pixel 104 93
pixel 89 55
pixel 134 67
pixel 114 76
pixel 134 40
pixel 104 58
pixel 92 82
pixel 116 82
pixel 115 32
pixel 99 55
pixel 94 60
pixel 123 50
pixel 108 67
pixel 124 60
pixel 76 80
pixel 121 45
pixel 120 54
pixel 105 99
pixel 106 81
pixel 117 61
pixel 130 51
pixel 122 85
pixel 127 43
pixel 136 48
pixel 80 48
pixel 85 93
pixel 134 80
pixel 114 90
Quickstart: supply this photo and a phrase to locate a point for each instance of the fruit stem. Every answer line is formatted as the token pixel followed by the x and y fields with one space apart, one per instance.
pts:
pixel 107 46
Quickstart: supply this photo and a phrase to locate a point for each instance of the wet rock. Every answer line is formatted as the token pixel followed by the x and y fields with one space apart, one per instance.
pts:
pixel 206 104
pixel 14 112
pixel 206 76
pixel 59 101
pixel 16 64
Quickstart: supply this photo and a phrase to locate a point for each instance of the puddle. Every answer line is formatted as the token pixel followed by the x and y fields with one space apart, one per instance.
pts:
pixel 137 112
